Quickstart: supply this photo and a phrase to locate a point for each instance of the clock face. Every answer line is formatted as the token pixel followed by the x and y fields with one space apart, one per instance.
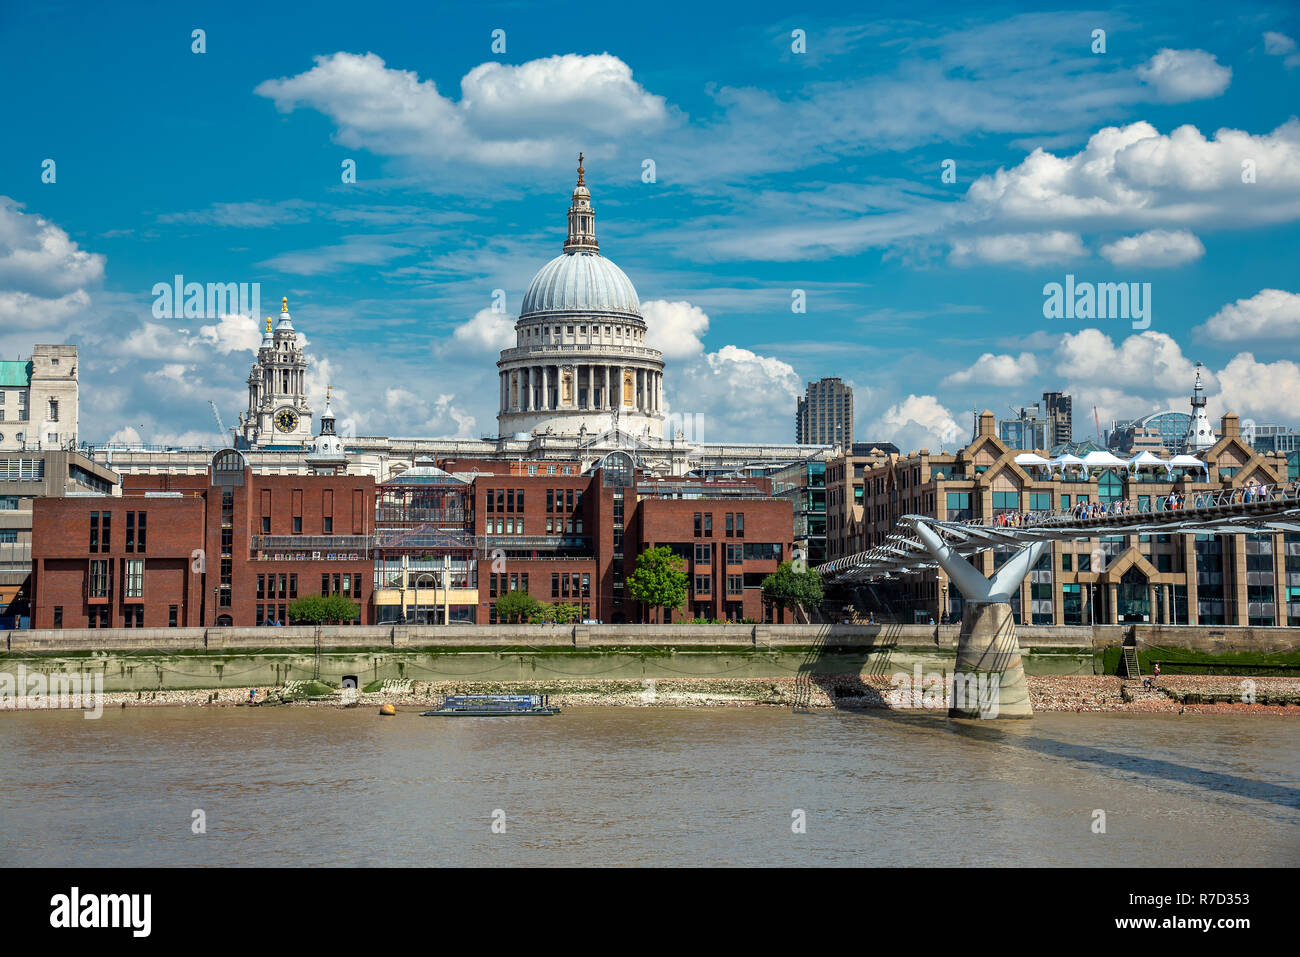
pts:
pixel 286 420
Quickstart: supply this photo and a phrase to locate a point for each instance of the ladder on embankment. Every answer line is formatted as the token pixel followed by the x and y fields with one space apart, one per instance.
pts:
pixel 1131 666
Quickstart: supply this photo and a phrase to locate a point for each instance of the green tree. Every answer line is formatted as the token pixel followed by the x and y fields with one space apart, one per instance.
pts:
pixel 308 610
pixel 319 609
pixel 517 606
pixel 565 613
pixel 788 589
pixel 659 580
pixel 341 609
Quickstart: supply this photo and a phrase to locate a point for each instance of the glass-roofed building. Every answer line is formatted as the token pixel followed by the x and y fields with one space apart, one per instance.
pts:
pixel 425 555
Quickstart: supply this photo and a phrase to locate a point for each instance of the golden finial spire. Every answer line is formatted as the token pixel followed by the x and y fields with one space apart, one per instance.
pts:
pixel 581 181
pixel 284 304
pixel 328 390
pixel 268 325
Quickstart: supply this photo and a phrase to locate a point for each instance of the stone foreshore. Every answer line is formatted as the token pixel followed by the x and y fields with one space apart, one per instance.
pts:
pixel 1057 693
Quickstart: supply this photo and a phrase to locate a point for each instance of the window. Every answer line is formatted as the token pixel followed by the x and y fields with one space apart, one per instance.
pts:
pixel 140 532
pixel 1067 562
pixel 1085 562
pixel 261 588
pixel 1040 501
pixel 959 506
pixel 699 525
pixel 731 525
pixel 297 524
pixel 94 531
pixel 1006 501
pixel 703 553
pixel 134 578
pixel 734 554
pixel 708 524
pixel 735 584
pixel 703 585
pixel 266 524
pixel 58 616
pixel 130 531
pixel 98 584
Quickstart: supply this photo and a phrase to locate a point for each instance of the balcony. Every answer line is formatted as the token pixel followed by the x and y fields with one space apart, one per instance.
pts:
pixel 311 543
pixel 589 350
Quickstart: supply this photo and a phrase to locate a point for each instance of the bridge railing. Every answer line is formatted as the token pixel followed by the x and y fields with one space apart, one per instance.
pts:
pixel 1275 493
pixel 897 545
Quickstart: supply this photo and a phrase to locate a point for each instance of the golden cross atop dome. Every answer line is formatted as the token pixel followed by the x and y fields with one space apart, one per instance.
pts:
pixel 581 182
pixel 328 390
pixel 284 304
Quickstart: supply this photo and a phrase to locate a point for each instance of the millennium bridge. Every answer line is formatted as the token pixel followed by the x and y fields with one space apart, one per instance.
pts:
pixel 987 646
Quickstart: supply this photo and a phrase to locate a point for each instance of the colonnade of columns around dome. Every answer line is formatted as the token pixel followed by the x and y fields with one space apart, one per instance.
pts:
pixel 581 386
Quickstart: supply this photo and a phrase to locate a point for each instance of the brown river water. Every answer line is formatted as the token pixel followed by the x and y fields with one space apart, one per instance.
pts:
pixel 645 786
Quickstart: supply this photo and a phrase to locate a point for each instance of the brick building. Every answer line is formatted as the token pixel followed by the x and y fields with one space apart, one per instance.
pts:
pixel 228 548
pixel 434 544
pixel 573 538
pixel 1165 578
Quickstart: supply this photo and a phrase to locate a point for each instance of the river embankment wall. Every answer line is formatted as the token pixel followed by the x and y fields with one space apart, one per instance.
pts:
pixel 188 658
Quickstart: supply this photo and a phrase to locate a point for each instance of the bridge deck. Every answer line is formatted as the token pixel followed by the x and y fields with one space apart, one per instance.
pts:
pixel 1253 510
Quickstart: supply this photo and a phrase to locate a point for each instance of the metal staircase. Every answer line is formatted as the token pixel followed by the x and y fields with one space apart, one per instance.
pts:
pixel 1131 668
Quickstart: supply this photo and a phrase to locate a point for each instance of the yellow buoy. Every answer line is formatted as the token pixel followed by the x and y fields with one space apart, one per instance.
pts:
pixel 387 709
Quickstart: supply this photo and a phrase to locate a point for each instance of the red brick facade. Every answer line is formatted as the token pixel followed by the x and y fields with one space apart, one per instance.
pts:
pixel 234 547
pixel 566 539
pixel 230 547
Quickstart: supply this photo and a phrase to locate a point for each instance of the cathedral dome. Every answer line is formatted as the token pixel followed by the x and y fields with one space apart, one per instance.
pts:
pixel 584 282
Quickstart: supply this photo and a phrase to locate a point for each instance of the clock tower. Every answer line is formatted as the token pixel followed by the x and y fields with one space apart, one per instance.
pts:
pixel 278 413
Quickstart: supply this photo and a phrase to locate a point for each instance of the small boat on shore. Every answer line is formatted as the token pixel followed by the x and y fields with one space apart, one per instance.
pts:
pixel 492 705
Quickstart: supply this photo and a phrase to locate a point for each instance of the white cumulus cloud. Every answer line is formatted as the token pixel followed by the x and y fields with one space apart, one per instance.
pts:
pixel 1270 313
pixel 1023 249
pixel 525 114
pixel 675 328
pixel 1149 360
pixel 486 331
pixel 1182 75
pixel 919 421
pixel 1136 176
pixel 991 369
pixel 1155 248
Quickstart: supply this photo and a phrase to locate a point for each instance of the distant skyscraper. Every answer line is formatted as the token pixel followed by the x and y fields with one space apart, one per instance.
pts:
pixel 1042 425
pixel 1059 408
pixel 825 414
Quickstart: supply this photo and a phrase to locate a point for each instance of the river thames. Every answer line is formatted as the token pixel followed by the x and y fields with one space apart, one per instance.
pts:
pixel 645 786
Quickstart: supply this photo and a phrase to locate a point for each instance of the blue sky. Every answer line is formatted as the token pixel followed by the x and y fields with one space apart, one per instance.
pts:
pixel 775 170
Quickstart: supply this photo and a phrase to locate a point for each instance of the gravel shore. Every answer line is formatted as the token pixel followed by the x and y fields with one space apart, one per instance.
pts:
pixel 1079 693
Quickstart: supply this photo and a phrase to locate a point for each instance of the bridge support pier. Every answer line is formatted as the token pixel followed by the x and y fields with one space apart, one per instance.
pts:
pixel 989 677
